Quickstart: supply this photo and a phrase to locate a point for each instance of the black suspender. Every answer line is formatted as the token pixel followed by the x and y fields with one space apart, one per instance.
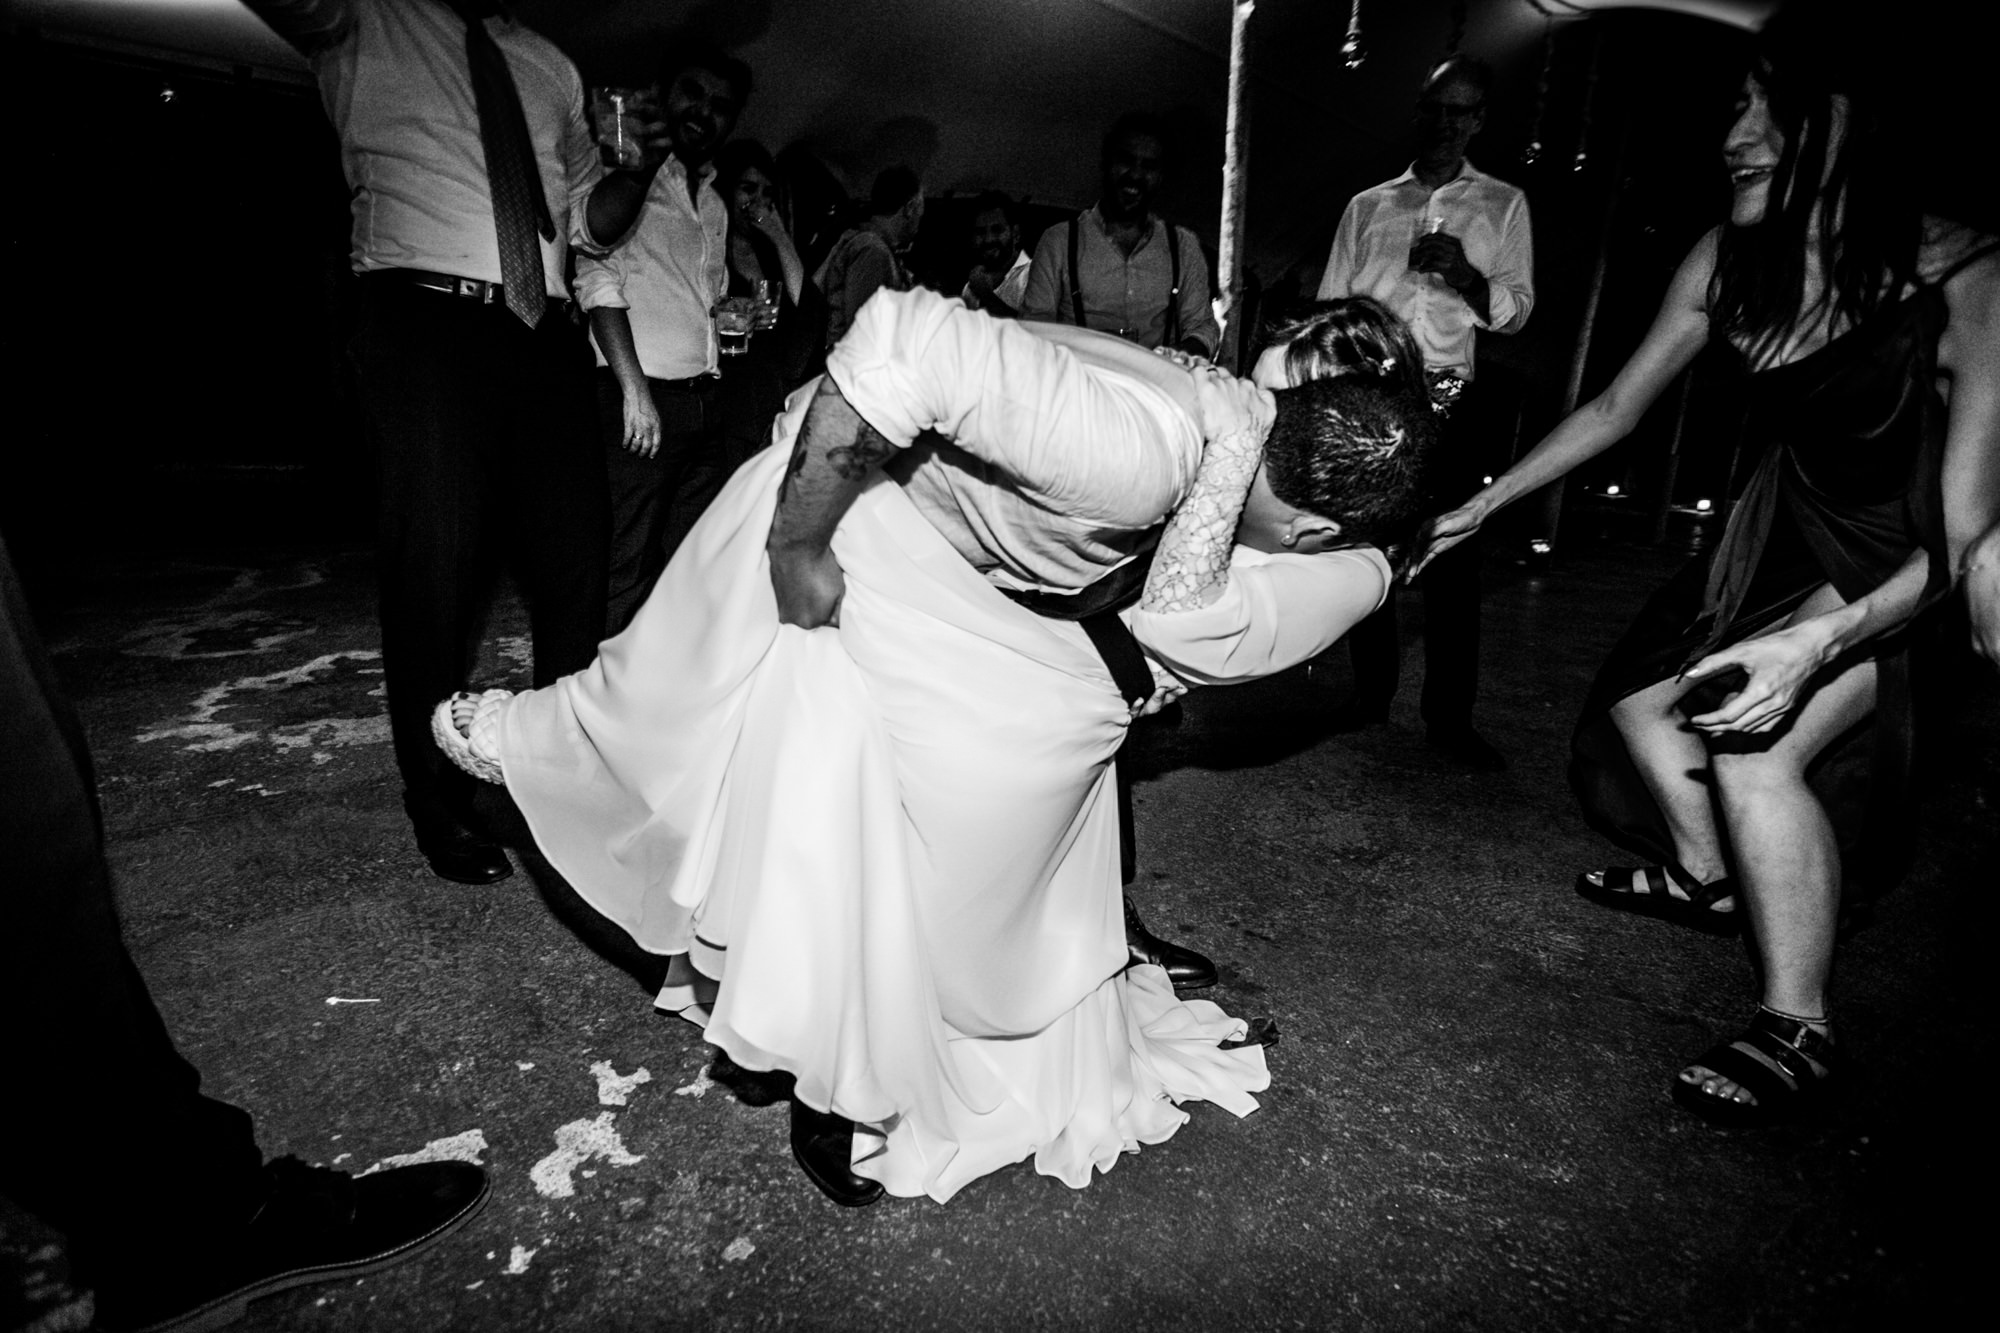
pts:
pixel 1173 327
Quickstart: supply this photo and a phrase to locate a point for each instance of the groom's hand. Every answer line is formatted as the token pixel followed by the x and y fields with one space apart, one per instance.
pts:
pixel 809 585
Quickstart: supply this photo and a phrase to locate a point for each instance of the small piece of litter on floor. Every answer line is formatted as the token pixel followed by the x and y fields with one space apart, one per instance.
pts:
pixel 524 1065
pixel 475 1286
pixel 224 782
pixel 702 1083
pixel 343 1157
pixel 342 999
pixel 612 1087
pixel 464 1147
pixel 737 1250
pixel 517 1261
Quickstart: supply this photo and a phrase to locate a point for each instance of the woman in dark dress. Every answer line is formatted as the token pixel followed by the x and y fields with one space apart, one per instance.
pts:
pixel 1757 713
pixel 785 349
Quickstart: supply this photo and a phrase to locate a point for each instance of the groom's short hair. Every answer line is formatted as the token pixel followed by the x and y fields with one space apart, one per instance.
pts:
pixel 1355 449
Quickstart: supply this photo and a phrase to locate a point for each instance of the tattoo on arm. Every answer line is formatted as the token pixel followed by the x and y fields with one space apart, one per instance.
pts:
pixel 853 461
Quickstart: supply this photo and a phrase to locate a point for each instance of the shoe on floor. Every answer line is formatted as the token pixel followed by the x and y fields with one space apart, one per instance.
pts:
pixel 462 856
pixel 1187 969
pixel 1466 748
pixel 321 1226
pixel 823 1143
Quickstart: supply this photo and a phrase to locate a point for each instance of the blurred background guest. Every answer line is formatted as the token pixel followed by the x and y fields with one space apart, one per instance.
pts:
pixel 999 278
pixel 1447 248
pixel 1120 267
pixel 789 338
pixel 869 257
pixel 651 321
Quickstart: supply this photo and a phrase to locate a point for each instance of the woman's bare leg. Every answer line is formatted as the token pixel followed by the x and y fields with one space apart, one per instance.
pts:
pixel 1787 856
pixel 1673 761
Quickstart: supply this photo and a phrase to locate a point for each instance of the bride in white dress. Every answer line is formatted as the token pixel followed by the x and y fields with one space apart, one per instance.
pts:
pixel 884 851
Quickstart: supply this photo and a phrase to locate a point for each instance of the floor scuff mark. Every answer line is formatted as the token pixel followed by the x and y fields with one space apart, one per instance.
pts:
pixel 464 1147
pixel 517 1261
pixel 613 1088
pixel 576 1143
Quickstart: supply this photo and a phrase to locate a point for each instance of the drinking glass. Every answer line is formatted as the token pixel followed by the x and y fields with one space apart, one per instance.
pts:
pixel 734 318
pixel 618 115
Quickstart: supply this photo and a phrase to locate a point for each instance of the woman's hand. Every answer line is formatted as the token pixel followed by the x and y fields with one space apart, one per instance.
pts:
pixel 1780 665
pixel 1442 533
pixel 642 423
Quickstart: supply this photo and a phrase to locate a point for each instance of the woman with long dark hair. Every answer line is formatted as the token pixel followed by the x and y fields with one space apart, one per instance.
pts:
pixel 1869 337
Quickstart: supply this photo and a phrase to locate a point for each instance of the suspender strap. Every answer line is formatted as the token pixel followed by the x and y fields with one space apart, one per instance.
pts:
pixel 1173 333
pixel 1075 275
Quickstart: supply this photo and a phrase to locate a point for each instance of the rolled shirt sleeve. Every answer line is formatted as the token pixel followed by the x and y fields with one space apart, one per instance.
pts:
pixel 583 169
pixel 1092 443
pixel 1276 611
pixel 600 282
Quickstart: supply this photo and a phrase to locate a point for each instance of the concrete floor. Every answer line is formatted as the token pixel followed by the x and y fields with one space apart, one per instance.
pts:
pixel 1468 1125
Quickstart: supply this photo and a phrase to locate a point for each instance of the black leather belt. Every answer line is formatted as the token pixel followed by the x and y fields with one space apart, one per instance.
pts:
pixel 1095 610
pixel 472 289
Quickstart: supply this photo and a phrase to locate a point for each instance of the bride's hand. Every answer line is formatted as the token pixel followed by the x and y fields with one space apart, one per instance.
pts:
pixel 1230 406
pixel 809 585
pixel 1440 534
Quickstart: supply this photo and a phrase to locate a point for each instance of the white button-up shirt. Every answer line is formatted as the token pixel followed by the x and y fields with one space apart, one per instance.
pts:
pixel 667 275
pixel 1371 257
pixel 394 79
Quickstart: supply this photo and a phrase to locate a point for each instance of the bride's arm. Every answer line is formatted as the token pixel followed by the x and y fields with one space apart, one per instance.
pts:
pixel 1191 567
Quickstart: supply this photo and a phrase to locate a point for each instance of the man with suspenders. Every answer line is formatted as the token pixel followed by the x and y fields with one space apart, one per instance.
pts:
pixel 1120 267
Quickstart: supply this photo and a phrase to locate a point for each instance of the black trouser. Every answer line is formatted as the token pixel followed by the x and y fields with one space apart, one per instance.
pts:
pixel 1451 600
pixel 484 440
pixel 104 1133
pixel 655 501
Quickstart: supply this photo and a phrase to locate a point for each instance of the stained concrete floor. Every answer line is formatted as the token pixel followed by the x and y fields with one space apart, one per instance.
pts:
pixel 1468 1125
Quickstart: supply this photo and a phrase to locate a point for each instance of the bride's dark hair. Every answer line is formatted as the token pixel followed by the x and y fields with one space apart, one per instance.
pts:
pixel 1837 187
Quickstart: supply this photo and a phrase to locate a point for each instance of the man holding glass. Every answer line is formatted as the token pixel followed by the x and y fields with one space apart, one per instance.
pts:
pixel 652 320
pixel 473 174
pixel 1448 249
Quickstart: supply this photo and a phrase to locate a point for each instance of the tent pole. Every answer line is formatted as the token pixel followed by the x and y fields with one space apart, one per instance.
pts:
pixel 1235 168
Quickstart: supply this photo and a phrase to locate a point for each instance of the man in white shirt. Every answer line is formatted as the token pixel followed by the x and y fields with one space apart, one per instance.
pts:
pixel 1449 249
pixel 473 174
pixel 650 304
pixel 999 278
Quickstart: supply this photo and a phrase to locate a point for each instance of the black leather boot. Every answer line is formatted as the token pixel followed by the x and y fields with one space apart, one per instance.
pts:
pixel 1187 969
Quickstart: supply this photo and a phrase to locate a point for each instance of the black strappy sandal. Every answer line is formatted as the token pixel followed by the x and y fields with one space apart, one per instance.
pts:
pixel 1647 893
pixel 1790 1072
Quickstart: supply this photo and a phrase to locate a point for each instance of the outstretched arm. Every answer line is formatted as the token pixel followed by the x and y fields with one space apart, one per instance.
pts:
pixel 836 455
pixel 1677 335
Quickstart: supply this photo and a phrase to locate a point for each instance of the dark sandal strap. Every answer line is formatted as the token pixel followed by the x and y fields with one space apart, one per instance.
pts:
pixel 1778 1040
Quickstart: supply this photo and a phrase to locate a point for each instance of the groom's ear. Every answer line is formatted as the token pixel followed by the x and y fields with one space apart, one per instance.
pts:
pixel 1312 534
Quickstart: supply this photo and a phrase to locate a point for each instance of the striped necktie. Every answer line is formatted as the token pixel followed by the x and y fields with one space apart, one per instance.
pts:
pixel 520 210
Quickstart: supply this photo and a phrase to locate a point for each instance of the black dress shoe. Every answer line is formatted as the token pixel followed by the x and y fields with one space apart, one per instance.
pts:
pixel 459 855
pixel 1187 969
pixel 824 1146
pixel 318 1226
pixel 1466 748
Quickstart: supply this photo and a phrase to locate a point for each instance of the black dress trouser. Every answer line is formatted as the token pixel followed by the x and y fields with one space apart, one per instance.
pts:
pixel 485 442
pixel 104 1133
pixel 1451 600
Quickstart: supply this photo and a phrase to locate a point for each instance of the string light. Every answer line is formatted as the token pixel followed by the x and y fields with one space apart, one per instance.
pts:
pixel 1533 153
pixel 1350 50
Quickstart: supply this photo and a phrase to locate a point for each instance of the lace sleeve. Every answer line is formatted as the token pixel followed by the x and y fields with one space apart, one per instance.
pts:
pixel 1191 568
